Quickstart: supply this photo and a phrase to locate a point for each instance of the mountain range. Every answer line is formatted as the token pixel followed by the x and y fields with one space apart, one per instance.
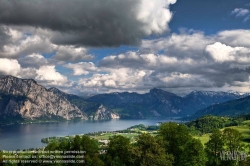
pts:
pixel 230 108
pixel 24 100
pixel 161 103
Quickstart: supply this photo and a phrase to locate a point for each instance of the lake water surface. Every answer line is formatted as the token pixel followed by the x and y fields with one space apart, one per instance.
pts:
pixel 29 135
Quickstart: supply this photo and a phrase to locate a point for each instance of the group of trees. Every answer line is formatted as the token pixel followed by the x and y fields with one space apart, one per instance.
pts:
pixel 208 123
pixel 84 143
pixel 226 148
pixel 173 146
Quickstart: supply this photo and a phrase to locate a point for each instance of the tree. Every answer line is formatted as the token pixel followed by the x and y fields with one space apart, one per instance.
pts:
pixel 118 149
pixel 1 157
pixel 64 145
pixel 233 139
pixel 117 162
pixel 193 154
pixel 148 151
pixel 89 145
pixel 52 146
pixel 214 148
pixel 175 137
pixel 76 144
pixel 93 161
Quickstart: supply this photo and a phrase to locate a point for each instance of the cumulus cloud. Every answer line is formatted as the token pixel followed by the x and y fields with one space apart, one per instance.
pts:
pixel 235 38
pixel 181 61
pixel 186 44
pixel 9 67
pixel 139 72
pixel 92 23
pixel 46 75
pixel 28 73
pixel 116 79
pixel 33 61
pixel 179 80
pixel 71 53
pixel 20 43
pixel 50 76
pixel 27 41
pixel 82 68
pixel 223 53
pixel 135 60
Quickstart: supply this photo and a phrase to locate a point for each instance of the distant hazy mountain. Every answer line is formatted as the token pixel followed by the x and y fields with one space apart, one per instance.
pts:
pixel 231 108
pixel 197 100
pixel 133 105
pixel 161 103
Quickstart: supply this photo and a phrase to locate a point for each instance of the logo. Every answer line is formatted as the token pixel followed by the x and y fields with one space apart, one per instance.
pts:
pixel 233 155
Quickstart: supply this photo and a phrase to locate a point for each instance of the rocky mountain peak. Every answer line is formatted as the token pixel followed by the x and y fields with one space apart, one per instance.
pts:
pixel 57 91
pixel 158 92
pixel 31 100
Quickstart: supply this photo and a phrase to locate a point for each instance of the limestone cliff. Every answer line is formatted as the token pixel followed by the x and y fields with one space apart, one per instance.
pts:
pixel 103 114
pixel 94 111
pixel 26 98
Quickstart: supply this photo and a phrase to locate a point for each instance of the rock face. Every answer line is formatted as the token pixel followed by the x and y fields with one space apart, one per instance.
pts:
pixel 26 98
pixel 94 111
pixel 103 114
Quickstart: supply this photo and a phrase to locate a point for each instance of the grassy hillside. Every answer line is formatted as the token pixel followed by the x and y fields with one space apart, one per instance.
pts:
pixel 243 128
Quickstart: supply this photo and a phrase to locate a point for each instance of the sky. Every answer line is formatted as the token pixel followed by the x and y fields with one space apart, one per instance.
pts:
pixel 103 46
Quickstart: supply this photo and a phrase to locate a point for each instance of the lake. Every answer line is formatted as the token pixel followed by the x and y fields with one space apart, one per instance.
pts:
pixel 29 135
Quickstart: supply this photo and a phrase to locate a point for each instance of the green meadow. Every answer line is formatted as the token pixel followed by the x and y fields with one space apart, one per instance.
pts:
pixel 243 128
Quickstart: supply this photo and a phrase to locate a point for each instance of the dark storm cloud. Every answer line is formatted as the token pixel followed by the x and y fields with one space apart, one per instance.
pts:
pixel 4 37
pixel 85 22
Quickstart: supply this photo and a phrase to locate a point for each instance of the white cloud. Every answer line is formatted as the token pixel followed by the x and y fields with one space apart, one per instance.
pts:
pixel 118 79
pixel 246 19
pixel 70 53
pixel 51 76
pixel 153 62
pixel 33 61
pixel 82 68
pixel 9 67
pixel 154 15
pixel 179 61
pixel 28 73
pixel 240 12
pixel 46 75
pixel 23 44
pixel 177 80
pixel 110 83
pixel 223 53
pixel 190 44
pixel 33 41
pixel 235 38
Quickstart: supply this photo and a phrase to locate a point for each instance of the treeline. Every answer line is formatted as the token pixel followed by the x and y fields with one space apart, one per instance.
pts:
pixel 172 146
pixel 208 123
pixel 133 129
